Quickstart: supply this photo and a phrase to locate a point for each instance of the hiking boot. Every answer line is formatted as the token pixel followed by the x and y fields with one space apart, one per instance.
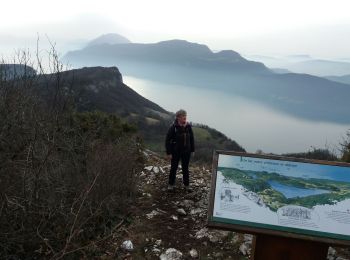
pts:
pixel 188 189
pixel 171 188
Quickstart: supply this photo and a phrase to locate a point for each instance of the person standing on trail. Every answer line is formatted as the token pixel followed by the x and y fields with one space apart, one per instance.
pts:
pixel 179 145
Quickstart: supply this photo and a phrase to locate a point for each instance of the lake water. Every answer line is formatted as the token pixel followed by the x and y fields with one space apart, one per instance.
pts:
pixel 293 192
pixel 251 124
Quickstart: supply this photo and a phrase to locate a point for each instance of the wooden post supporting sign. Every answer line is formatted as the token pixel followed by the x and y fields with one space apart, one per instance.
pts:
pixel 267 247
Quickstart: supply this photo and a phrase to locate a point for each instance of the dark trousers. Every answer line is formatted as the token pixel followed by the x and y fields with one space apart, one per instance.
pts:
pixel 185 160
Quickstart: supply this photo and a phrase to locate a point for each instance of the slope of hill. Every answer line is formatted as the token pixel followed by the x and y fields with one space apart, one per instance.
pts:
pixel 341 79
pixel 102 89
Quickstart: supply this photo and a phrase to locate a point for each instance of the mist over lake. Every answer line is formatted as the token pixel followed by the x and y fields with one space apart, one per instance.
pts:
pixel 252 124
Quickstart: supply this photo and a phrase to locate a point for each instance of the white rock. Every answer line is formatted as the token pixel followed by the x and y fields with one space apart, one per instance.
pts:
pixel 194 253
pixel 174 217
pixel 213 235
pixel 148 168
pixel 155 169
pixel 171 254
pixel 127 245
pixel 202 233
pixel 244 248
pixel 196 211
pixel 332 254
pixel 161 170
pixel 331 251
pixel 152 214
pixel 214 239
pixel 181 212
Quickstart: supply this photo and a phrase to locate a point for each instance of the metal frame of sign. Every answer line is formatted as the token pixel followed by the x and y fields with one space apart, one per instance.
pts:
pixel 265 229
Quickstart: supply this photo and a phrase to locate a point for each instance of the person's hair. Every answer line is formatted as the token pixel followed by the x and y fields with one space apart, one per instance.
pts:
pixel 181 112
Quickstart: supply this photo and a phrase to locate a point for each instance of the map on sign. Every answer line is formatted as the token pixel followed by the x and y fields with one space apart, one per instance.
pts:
pixel 300 197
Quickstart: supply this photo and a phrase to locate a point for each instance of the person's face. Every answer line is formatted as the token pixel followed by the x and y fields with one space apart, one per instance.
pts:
pixel 182 120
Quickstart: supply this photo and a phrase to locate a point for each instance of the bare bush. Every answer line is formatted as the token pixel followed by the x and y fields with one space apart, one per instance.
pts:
pixel 66 178
pixel 345 148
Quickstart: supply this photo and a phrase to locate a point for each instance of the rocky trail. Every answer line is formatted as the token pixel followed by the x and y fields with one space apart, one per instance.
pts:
pixel 172 225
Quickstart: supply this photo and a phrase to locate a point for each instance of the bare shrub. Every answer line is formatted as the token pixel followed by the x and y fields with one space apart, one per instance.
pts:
pixel 345 148
pixel 66 178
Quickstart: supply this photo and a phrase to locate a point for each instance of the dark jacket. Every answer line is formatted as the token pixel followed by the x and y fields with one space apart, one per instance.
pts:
pixel 179 139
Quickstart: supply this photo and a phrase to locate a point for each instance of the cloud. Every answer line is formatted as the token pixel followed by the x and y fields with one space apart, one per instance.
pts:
pixel 67 34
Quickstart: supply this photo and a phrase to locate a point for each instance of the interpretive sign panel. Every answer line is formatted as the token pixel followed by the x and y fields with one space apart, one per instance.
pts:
pixel 281 196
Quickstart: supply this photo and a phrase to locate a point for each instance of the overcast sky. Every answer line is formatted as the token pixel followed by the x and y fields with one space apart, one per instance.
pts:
pixel 261 27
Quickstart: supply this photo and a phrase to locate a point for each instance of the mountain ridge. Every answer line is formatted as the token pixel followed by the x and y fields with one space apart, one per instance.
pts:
pixel 175 52
pixel 182 62
pixel 345 79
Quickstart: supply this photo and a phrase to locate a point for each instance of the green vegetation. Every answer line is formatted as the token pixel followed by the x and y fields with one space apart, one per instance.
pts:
pixel 206 139
pixel 201 133
pixel 258 183
pixel 104 126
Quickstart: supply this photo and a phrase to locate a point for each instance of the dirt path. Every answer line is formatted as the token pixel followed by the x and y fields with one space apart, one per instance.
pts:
pixel 177 219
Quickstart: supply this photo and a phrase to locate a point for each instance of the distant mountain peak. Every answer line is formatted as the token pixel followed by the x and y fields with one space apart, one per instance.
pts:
pixel 109 38
pixel 183 44
pixel 179 42
pixel 229 54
